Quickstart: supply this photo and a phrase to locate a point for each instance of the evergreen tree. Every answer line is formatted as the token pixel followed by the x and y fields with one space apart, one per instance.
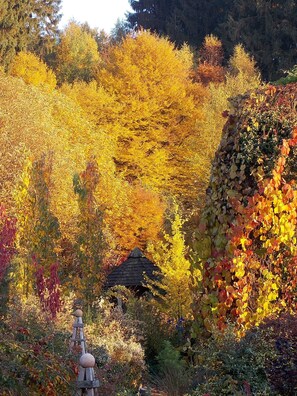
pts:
pixel 182 20
pixel 27 24
pixel 119 31
pixel 151 14
pixel 267 29
pixel 44 32
pixel 191 20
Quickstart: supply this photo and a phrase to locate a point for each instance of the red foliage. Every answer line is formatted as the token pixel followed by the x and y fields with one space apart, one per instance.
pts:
pixel 48 289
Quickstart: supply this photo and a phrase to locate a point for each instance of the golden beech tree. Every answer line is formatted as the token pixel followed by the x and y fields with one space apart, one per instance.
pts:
pixel 141 220
pixel 100 106
pixel 33 71
pixel 174 289
pixel 157 112
pixel 77 57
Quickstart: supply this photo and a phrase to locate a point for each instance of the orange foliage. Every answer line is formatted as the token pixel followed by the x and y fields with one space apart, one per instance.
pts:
pixel 140 222
pixel 210 67
pixel 207 73
pixel 157 116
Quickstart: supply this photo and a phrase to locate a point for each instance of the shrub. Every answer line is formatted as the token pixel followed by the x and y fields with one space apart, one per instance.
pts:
pixel 34 353
pixel 33 71
pixel 118 352
pixel 226 366
pixel 151 325
pixel 281 333
pixel 172 376
pixel 261 363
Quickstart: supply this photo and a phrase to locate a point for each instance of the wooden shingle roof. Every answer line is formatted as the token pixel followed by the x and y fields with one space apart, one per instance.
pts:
pixel 131 272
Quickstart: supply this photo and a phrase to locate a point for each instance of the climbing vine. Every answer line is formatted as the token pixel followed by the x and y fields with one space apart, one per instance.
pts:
pixel 252 273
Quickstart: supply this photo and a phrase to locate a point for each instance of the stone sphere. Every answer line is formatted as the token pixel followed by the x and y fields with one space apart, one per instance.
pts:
pixel 78 313
pixel 87 360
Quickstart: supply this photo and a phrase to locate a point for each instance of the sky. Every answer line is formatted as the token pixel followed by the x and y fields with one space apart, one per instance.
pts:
pixel 101 14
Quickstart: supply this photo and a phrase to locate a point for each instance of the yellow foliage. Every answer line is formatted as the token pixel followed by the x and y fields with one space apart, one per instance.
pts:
pixel 156 112
pixel 242 63
pixel 212 41
pixel 77 57
pixel 100 106
pixel 177 277
pixel 186 55
pixel 33 122
pixel 242 77
pixel 33 71
pixel 137 220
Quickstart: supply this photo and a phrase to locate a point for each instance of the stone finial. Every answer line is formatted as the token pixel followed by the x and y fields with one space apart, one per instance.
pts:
pixel 87 360
pixel 78 313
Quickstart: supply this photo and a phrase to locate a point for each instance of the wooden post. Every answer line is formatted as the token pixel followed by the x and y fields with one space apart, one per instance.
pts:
pixel 86 379
pixel 78 339
pixel 86 382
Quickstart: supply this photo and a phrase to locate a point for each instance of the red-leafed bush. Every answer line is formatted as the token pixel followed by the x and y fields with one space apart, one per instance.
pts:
pixel 48 289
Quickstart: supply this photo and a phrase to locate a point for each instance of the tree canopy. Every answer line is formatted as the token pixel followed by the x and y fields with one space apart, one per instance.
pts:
pixel 27 25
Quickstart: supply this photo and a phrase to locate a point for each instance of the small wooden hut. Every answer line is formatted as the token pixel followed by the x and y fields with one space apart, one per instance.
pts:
pixel 132 273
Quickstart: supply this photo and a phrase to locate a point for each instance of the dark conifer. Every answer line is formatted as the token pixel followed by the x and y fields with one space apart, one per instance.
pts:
pixel 27 25
pixel 267 29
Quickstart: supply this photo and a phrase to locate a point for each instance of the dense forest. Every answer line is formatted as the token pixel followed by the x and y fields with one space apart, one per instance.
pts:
pixel 266 29
pixel 163 135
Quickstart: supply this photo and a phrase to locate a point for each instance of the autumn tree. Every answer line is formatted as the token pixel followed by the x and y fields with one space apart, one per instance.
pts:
pixel 77 55
pixel 141 220
pixel 90 244
pixel 210 67
pixel 38 229
pixel 33 119
pixel 157 114
pixel 101 37
pixel 174 289
pixel 241 75
pixel 33 71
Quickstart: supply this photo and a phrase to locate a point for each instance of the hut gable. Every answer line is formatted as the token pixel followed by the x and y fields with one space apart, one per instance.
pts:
pixel 131 273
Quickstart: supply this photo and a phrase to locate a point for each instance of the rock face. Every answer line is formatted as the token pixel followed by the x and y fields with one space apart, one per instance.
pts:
pixel 249 150
pixel 250 217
